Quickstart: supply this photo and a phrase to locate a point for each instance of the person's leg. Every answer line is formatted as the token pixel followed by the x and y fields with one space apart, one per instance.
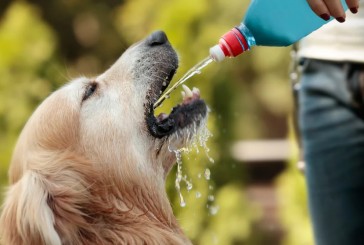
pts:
pixel 333 142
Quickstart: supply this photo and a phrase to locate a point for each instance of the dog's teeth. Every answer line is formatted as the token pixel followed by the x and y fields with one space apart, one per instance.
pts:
pixel 183 94
pixel 160 91
pixel 196 91
pixel 187 90
pixel 164 84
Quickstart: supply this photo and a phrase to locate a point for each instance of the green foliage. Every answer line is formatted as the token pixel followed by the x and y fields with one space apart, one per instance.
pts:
pixel 232 224
pixel 27 72
pixel 295 216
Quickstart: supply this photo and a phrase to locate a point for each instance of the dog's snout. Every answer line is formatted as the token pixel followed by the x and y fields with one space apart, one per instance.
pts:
pixel 157 38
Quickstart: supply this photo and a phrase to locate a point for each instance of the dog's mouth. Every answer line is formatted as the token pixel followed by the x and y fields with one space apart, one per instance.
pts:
pixel 159 66
pixel 189 112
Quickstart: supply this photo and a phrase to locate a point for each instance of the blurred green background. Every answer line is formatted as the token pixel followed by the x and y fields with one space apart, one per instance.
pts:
pixel 43 44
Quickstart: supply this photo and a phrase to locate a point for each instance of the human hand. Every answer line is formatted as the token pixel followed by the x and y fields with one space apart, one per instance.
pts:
pixel 327 8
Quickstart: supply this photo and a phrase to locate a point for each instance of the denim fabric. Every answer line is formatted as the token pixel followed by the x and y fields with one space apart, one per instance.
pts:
pixel 332 131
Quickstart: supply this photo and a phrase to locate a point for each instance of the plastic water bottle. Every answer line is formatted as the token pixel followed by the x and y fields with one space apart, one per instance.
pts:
pixel 269 23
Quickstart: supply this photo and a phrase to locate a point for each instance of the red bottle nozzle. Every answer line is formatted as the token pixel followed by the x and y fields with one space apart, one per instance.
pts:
pixel 231 44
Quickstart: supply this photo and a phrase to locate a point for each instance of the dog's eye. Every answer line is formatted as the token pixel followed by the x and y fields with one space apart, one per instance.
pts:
pixel 90 89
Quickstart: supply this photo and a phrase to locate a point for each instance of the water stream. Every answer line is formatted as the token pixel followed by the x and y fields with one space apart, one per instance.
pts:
pixel 195 141
pixel 190 73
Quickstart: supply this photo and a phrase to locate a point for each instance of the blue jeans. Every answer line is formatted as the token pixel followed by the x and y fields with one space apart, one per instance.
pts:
pixel 332 130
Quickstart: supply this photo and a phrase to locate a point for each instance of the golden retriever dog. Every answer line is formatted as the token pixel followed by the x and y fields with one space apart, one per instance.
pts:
pixel 90 164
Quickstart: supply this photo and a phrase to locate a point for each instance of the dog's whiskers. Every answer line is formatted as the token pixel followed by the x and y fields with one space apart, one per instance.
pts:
pixel 164 64
pixel 153 77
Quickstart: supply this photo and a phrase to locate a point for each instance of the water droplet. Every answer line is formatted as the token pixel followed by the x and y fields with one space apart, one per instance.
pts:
pixel 213 210
pixel 211 198
pixel 199 175
pixel 182 202
pixel 189 186
pixel 177 182
pixel 207 174
pixel 198 194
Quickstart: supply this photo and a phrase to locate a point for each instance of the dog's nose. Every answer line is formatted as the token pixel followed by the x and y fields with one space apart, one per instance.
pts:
pixel 157 38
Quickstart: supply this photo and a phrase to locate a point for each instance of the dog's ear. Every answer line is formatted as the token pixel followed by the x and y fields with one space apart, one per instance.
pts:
pixel 27 217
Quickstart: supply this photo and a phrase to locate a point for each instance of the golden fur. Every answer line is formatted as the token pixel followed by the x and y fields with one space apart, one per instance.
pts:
pixel 87 172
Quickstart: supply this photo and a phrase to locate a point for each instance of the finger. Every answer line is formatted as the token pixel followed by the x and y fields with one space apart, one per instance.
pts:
pixel 319 8
pixel 353 5
pixel 336 9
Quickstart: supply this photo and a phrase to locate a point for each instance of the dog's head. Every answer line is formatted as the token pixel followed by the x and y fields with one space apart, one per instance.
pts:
pixel 110 119
pixel 98 133
pixel 118 107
